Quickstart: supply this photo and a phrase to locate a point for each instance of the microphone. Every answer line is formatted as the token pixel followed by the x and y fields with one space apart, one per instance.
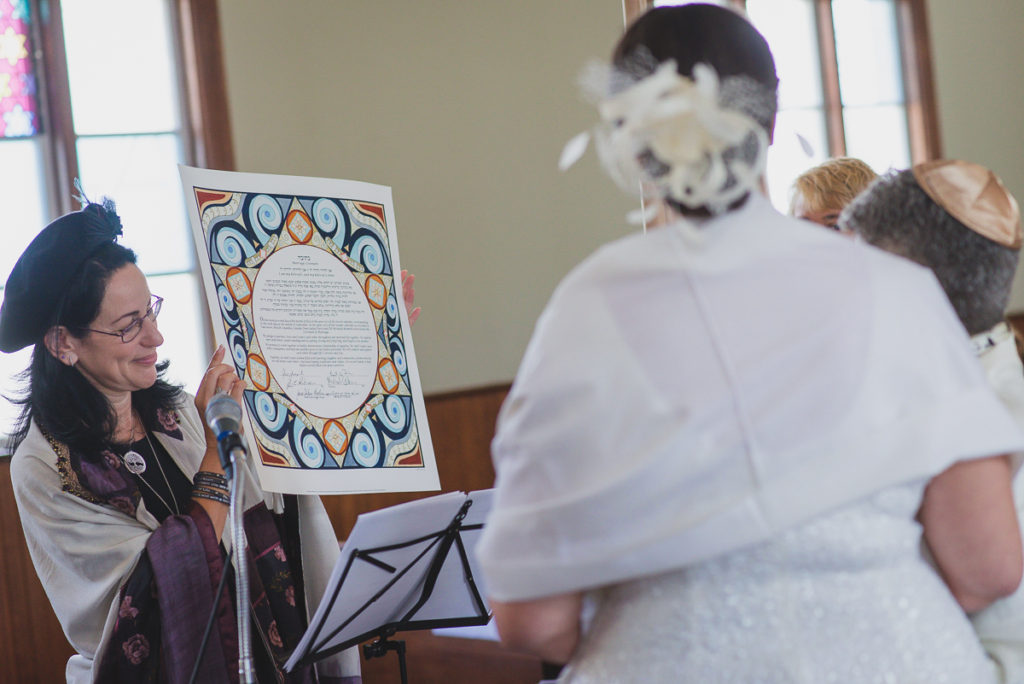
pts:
pixel 224 416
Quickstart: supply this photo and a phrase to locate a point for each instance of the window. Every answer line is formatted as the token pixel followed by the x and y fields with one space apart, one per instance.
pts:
pixel 854 79
pixel 95 90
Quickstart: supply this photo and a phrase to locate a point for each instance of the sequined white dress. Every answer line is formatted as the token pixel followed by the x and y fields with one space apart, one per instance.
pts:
pixel 845 598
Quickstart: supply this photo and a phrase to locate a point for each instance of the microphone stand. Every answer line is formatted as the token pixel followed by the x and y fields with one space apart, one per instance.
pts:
pixel 230 447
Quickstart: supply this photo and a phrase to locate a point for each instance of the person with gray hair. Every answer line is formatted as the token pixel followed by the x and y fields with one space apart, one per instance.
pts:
pixel 958 219
pixel 900 214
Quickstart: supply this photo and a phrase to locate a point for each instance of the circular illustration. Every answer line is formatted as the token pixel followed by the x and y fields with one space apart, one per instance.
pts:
pixel 315 330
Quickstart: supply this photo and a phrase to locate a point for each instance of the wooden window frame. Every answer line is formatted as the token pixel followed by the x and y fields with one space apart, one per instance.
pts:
pixel 205 84
pixel 207 129
pixel 918 81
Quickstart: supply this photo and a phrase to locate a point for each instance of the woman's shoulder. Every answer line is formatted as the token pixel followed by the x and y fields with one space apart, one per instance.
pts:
pixel 37 446
pixel 39 461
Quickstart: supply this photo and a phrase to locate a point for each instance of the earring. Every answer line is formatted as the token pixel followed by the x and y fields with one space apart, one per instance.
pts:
pixel 72 360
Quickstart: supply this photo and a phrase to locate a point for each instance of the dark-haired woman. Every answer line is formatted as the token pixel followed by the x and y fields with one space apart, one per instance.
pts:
pixel 119 486
pixel 711 462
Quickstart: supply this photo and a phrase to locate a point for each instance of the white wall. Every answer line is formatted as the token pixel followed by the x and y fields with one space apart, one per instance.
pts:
pixel 978 62
pixel 462 106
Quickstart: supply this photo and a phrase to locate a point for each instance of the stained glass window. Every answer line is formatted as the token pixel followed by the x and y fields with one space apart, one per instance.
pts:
pixel 17 81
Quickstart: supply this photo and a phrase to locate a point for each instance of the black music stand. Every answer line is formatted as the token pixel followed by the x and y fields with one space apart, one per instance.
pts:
pixel 409 579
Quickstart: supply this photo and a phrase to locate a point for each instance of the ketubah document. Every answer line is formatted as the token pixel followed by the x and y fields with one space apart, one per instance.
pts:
pixel 304 288
pixel 411 566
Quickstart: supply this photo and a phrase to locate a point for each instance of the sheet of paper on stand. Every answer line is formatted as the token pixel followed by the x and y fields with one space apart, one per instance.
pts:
pixel 411 566
pixel 488 632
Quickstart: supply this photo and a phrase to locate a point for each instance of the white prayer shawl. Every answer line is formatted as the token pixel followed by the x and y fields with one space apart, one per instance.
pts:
pixel 697 389
pixel 84 552
pixel 1001 626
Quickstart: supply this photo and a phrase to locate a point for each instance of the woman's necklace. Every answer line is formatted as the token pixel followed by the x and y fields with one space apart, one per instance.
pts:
pixel 136 465
pixel 133 460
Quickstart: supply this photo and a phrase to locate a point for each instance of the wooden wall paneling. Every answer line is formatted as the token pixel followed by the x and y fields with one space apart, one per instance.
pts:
pixel 461 427
pixel 432 659
pixel 1016 321
pixel 33 649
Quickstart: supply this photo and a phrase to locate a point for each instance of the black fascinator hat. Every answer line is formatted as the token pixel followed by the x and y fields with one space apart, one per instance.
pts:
pixel 40 277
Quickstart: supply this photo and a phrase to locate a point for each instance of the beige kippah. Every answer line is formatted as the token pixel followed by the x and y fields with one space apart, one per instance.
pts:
pixel 974 196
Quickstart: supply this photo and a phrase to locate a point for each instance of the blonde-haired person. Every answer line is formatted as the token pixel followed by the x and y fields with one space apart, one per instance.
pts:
pixel 820 193
pixel 711 462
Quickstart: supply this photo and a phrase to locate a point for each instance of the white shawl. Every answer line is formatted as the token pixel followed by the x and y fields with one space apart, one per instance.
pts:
pixel 694 390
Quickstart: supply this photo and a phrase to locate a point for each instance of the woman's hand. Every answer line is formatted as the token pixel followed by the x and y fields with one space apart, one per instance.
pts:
pixel 219 378
pixel 409 296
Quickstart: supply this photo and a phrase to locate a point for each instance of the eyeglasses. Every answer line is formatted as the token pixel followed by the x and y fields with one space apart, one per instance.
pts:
pixel 132 330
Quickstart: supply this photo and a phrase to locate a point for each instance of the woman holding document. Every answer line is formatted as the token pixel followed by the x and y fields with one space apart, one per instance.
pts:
pixel 120 489
pixel 711 462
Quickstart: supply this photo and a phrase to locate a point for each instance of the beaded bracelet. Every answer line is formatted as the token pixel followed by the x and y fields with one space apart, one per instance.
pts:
pixel 209 479
pixel 209 490
pixel 211 494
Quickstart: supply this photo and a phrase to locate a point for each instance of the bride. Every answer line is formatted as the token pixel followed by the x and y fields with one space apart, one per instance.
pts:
pixel 729 435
